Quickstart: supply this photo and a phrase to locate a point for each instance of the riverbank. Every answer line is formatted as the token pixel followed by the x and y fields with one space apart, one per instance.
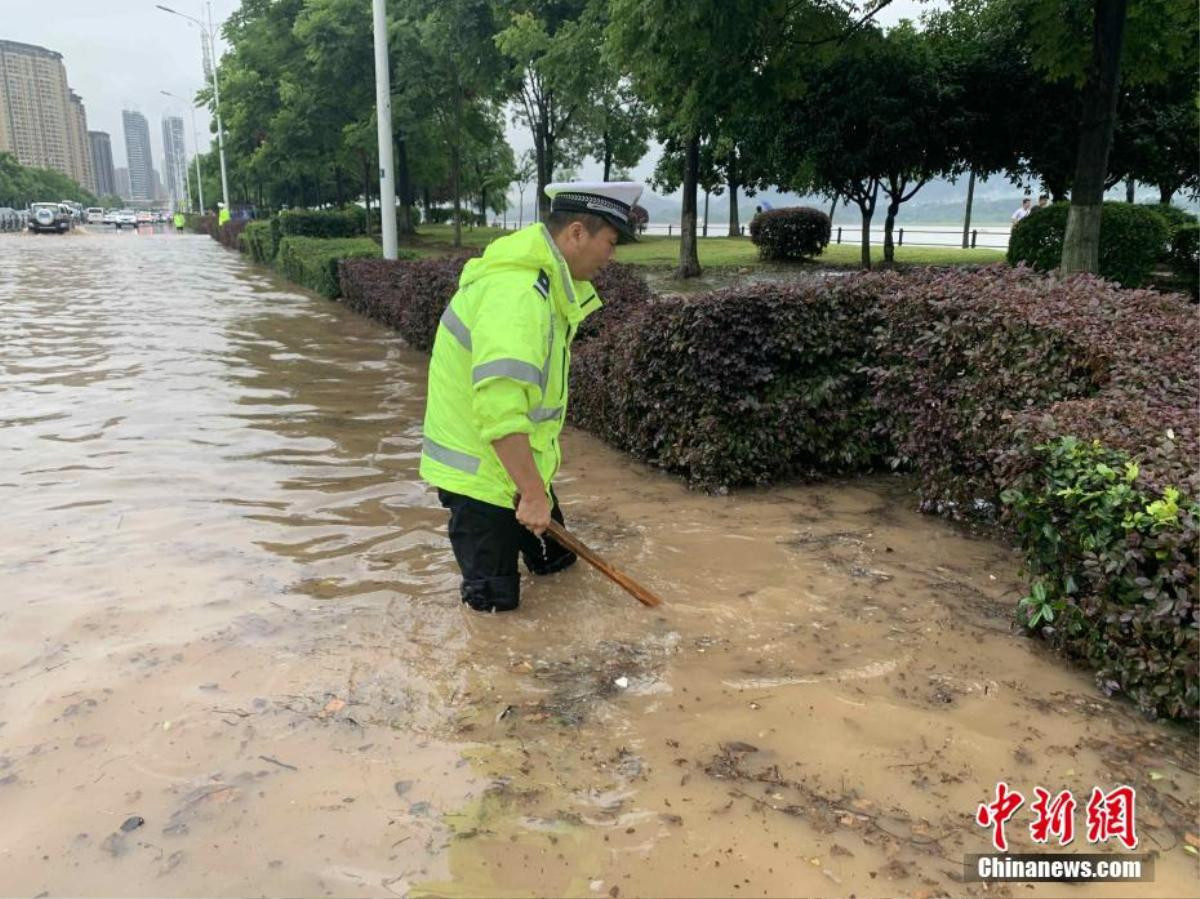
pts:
pixel 232 615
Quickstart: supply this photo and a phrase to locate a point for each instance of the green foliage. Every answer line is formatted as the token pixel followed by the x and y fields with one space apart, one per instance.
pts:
pixel 1131 241
pixel 791 233
pixel 322 223
pixel 21 185
pixel 259 241
pixel 1114 572
pixel 1185 256
pixel 313 262
pixel 1173 216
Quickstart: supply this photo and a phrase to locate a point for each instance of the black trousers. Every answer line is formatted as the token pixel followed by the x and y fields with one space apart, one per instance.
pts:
pixel 487 540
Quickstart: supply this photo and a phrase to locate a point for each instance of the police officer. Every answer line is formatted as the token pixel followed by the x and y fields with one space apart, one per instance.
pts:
pixel 498 386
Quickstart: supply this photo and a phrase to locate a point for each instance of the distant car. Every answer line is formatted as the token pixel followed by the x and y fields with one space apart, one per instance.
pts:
pixel 110 217
pixel 127 218
pixel 95 215
pixel 54 217
pixel 145 218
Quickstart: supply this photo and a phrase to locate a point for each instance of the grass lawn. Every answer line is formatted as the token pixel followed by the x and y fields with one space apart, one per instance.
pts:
pixel 719 251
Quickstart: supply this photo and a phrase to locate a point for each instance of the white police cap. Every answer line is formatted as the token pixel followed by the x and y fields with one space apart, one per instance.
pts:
pixel 610 200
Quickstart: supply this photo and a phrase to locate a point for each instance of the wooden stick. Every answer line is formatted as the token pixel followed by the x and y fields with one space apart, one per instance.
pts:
pixel 577 546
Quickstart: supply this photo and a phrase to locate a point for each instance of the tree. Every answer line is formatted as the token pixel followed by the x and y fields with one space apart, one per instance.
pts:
pixel 1092 42
pixel 616 124
pixel 462 72
pixel 1157 138
pixel 524 173
pixel 691 60
pixel 21 185
pixel 552 48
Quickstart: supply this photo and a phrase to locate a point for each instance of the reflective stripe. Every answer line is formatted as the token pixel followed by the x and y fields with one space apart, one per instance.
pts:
pixel 455 326
pixel 507 368
pixel 545 373
pixel 450 457
pixel 563 270
pixel 542 414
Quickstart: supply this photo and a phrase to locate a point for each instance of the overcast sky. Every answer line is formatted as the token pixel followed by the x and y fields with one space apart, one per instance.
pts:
pixel 120 53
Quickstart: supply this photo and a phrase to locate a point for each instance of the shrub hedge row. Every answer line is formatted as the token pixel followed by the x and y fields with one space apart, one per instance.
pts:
pixel 1185 257
pixel 260 241
pixel 1008 394
pixel 1132 239
pixel 351 222
pixel 312 262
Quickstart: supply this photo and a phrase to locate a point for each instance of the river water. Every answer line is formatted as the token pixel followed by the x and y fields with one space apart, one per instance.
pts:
pixel 229 621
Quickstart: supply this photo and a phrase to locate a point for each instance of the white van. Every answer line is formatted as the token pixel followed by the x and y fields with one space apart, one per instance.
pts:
pixel 95 215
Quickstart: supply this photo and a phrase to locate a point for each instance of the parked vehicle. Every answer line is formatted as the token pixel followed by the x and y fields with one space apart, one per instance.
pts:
pixel 54 217
pixel 95 215
pixel 11 219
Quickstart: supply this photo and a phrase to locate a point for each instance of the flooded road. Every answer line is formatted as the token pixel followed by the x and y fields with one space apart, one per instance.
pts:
pixel 233 661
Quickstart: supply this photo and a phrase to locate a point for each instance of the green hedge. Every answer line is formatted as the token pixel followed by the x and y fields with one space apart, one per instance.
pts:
pixel 1132 240
pixel 313 263
pixel 1185 257
pixel 1113 570
pixel 259 241
pixel 350 222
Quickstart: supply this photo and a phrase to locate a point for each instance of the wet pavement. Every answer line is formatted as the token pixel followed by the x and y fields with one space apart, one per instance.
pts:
pixel 232 660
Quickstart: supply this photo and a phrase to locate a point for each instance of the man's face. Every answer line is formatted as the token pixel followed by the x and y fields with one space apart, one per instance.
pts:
pixel 1025 203
pixel 586 254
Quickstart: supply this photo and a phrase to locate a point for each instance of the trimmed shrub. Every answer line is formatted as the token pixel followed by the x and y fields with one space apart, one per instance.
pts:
pixel 313 263
pixel 1113 572
pixel 1132 239
pixel 438 215
pixel 203 224
pixel 258 241
pixel 1185 257
pixel 407 296
pixel 325 223
pixel 973 370
pixel 1173 216
pixel 229 234
pixel 737 387
pixel 793 233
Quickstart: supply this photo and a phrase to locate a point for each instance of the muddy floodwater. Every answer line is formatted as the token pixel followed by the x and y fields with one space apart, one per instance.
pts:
pixel 233 661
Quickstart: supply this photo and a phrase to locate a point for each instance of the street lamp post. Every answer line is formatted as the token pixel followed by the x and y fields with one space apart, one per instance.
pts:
pixel 207 32
pixel 383 118
pixel 196 146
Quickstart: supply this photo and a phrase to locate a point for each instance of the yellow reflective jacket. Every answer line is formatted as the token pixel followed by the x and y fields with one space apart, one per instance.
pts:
pixel 500 363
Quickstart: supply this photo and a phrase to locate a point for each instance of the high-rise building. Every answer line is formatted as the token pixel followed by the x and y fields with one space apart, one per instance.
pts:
pixel 42 122
pixel 175 161
pixel 121 183
pixel 102 163
pixel 160 192
pixel 77 140
pixel 137 152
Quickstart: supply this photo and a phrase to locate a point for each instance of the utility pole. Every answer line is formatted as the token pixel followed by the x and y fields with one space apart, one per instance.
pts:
pixel 210 49
pixel 383 117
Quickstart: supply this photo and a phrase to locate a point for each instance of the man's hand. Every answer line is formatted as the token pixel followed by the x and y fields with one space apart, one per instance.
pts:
pixel 533 511
pixel 533 507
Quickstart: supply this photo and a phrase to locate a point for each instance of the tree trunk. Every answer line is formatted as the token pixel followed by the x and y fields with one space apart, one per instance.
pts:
pixel 543 153
pixel 1130 192
pixel 455 167
pixel 735 227
pixel 1081 243
pixel 689 261
pixel 1165 193
pixel 705 231
pixel 833 208
pixel 889 222
pixel 607 156
pixel 404 182
pixel 366 192
pixel 970 202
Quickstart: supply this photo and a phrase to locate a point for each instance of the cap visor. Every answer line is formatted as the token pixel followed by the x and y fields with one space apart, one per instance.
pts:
pixel 625 230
